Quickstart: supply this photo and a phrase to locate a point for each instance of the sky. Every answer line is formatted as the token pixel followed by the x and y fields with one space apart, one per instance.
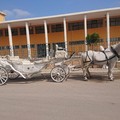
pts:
pixel 20 9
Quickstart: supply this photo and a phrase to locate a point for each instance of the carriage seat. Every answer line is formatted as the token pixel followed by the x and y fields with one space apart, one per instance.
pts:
pixel 60 54
pixel 2 57
pixel 12 58
pixel 17 60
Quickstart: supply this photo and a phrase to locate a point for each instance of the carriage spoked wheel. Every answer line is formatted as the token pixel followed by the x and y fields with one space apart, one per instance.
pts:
pixel 12 74
pixel 67 70
pixel 3 75
pixel 58 74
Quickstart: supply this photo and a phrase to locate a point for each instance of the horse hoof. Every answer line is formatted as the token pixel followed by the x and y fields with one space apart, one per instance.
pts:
pixel 85 79
pixel 111 79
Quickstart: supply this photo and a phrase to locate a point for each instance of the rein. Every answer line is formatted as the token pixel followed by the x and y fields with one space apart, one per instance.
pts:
pixel 107 59
pixel 115 55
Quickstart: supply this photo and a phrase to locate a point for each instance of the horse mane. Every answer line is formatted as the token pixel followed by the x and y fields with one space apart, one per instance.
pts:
pixel 117 47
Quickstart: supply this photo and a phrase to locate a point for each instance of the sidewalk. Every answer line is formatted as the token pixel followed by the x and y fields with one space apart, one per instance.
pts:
pixel 103 70
pixel 96 70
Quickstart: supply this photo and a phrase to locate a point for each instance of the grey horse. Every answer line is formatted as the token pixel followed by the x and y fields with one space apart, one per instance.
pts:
pixel 108 57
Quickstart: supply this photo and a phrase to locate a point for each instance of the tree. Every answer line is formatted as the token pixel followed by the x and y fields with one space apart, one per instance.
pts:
pixel 92 39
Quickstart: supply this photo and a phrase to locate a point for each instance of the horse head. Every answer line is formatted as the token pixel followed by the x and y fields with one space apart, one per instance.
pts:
pixel 116 49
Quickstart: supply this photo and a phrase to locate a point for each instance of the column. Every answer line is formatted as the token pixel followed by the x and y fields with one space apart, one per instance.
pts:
pixel 65 35
pixel 10 40
pixel 108 29
pixel 85 31
pixel 28 40
pixel 46 39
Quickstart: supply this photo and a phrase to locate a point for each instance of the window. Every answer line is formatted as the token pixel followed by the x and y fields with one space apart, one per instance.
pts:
pixel 6 32
pixel 75 26
pixel 76 42
pixel 41 50
pixel 24 46
pixel 32 46
pixel 7 47
pixel 16 47
pixel 1 33
pixel 39 29
pixel 2 48
pixel 22 31
pixel 14 31
pixel 57 28
pixel 115 21
pixel 95 23
pixel 118 38
pixel 115 39
pixel 100 40
pixel 31 30
pixel 60 44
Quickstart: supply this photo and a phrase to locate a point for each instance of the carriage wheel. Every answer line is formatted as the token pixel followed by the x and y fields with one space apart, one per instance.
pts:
pixel 13 75
pixel 58 74
pixel 3 76
pixel 67 70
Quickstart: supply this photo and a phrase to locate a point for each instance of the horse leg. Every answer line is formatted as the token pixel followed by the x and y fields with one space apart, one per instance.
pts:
pixel 110 71
pixel 88 73
pixel 85 73
pixel 110 75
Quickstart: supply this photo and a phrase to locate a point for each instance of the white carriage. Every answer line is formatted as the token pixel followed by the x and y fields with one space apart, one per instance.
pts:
pixel 59 65
pixel 13 67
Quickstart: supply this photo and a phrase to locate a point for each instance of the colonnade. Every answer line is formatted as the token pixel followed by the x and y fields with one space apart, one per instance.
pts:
pixel 47 39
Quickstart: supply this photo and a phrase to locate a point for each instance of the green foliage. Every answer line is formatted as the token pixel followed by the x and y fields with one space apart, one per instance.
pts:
pixel 92 39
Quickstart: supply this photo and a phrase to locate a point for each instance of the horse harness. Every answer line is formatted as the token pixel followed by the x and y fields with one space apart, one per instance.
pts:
pixel 107 59
pixel 114 52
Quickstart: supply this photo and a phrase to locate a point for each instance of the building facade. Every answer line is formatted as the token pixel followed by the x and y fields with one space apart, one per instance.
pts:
pixel 36 37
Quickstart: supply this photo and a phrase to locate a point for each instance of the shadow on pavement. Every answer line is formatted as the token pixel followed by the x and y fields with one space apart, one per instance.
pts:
pixel 95 77
pixel 21 80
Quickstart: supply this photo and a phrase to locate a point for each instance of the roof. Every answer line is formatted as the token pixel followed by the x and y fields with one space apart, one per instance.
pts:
pixel 59 18
pixel 2 13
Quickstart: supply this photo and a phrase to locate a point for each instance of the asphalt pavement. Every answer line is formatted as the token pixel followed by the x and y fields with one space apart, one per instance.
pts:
pixel 74 99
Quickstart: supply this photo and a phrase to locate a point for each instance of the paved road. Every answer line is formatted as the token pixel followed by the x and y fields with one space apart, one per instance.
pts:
pixel 75 99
